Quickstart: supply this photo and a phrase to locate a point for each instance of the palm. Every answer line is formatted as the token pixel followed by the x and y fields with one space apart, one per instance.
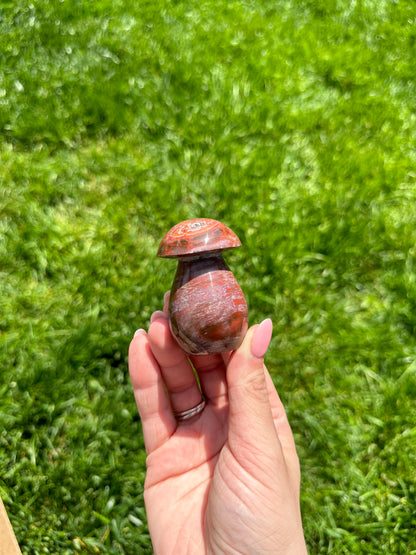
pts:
pixel 179 477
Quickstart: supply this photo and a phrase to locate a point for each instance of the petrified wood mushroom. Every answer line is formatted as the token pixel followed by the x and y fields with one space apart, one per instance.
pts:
pixel 207 309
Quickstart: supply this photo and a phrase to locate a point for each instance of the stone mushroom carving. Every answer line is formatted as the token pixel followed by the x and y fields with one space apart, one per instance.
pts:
pixel 207 309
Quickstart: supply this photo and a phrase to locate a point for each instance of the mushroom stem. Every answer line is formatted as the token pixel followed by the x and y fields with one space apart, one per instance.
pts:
pixel 190 267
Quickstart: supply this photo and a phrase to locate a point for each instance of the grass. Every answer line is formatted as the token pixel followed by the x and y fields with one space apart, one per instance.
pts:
pixel 291 121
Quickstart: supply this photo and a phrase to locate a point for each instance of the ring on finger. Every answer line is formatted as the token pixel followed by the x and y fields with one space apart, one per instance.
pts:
pixel 182 416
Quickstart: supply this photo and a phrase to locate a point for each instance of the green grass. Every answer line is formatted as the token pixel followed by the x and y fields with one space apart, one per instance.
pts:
pixel 294 123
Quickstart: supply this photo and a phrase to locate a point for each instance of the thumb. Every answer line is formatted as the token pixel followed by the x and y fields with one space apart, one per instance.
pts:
pixel 251 425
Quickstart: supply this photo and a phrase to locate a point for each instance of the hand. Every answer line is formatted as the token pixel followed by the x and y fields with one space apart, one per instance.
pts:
pixel 226 481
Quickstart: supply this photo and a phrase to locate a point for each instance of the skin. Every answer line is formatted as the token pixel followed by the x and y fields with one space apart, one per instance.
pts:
pixel 228 480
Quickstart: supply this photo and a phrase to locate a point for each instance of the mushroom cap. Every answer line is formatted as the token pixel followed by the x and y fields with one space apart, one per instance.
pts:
pixel 195 236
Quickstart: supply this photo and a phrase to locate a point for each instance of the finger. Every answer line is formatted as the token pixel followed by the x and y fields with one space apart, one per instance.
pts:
pixel 252 432
pixel 175 367
pixel 157 314
pixel 152 401
pixel 212 377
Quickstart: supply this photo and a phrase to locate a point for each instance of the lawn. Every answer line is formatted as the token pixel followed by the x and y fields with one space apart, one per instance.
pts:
pixel 293 122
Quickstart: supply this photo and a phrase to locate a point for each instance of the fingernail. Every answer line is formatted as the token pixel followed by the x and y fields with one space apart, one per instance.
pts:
pixel 166 298
pixel 140 331
pixel 157 314
pixel 261 338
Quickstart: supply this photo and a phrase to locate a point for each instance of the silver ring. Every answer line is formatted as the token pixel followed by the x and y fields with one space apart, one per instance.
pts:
pixel 190 413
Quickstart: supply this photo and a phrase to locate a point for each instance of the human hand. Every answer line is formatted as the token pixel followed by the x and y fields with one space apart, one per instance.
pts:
pixel 226 480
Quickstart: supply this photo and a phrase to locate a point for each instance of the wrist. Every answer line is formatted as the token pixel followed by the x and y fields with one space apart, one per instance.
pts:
pixel 297 547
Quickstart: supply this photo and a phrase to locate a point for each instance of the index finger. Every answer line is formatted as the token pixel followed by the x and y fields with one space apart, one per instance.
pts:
pixel 152 401
pixel 176 370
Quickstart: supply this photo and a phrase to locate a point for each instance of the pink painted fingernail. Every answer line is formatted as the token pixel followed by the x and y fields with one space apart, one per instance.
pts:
pixel 157 314
pixel 261 338
pixel 140 331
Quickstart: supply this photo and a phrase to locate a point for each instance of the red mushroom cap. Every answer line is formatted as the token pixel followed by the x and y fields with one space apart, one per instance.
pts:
pixel 197 235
